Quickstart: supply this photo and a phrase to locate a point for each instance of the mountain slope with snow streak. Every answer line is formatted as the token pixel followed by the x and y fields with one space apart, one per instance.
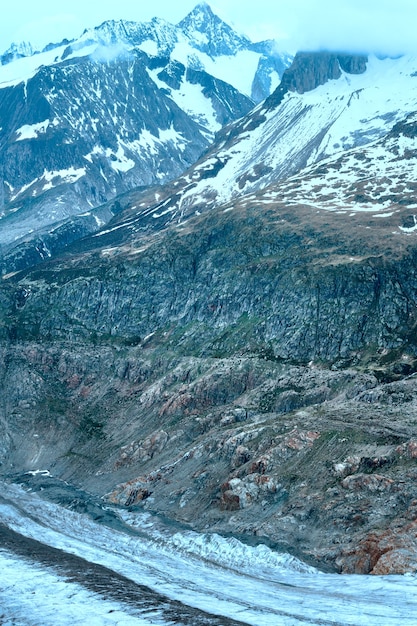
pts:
pixel 378 179
pixel 292 130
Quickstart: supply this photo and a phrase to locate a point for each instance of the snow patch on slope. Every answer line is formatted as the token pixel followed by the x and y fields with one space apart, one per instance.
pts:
pixel 32 131
pixel 237 70
pixel 191 99
pixel 21 70
pixel 70 175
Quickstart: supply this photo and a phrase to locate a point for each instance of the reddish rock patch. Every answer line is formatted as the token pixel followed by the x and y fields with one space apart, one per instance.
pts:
pixel 393 551
pixel 369 482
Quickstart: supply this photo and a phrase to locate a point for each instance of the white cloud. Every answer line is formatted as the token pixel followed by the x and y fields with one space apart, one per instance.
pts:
pixel 383 26
pixel 106 54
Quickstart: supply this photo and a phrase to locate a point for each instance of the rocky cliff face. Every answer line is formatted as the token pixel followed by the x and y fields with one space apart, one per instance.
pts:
pixel 312 69
pixel 313 305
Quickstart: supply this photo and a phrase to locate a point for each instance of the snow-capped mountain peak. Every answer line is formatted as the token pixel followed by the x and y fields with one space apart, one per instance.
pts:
pixel 210 34
pixel 134 104
pixel 202 40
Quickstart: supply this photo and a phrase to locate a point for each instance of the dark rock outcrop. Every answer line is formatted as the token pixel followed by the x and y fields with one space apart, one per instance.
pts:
pixel 312 69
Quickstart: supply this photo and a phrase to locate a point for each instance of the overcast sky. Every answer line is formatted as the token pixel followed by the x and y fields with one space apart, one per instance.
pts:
pixel 384 26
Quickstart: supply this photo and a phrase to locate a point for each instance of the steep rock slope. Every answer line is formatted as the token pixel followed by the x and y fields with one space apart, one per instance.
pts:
pixel 251 370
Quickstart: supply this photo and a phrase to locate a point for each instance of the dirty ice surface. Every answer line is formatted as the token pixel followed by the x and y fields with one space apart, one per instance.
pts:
pixel 133 568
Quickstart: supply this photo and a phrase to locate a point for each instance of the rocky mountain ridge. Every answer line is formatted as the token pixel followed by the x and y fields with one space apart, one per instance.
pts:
pixel 200 41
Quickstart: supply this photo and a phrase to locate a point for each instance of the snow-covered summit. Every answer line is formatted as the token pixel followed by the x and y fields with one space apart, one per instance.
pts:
pixel 210 34
pixel 158 30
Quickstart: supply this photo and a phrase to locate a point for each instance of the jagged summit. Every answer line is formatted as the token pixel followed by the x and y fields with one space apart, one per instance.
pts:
pixel 202 7
pixel 199 16
pixel 210 34
pixel 25 49
pixel 17 51
pixel 163 33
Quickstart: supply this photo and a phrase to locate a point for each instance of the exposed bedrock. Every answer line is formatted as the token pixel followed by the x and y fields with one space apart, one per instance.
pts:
pixel 246 374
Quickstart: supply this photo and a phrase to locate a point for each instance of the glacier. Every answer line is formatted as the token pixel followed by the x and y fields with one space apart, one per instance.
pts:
pixel 216 575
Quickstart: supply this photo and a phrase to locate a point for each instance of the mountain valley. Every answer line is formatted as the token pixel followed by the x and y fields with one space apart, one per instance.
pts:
pixel 233 346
